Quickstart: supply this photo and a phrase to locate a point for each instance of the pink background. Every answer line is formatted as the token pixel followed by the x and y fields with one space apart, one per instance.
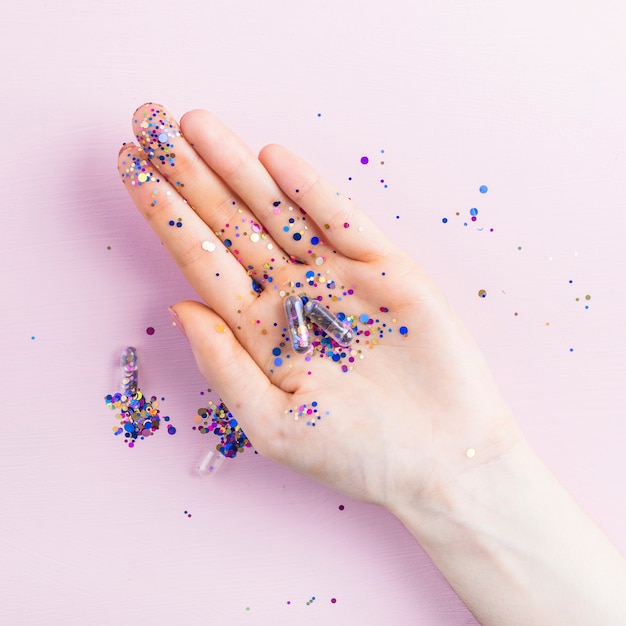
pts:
pixel 529 101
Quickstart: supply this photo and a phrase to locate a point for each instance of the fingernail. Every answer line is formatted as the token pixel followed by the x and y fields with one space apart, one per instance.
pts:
pixel 157 133
pixel 176 320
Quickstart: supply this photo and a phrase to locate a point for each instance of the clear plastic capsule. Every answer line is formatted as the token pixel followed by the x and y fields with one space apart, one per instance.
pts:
pixel 339 330
pixel 210 463
pixel 298 330
pixel 129 372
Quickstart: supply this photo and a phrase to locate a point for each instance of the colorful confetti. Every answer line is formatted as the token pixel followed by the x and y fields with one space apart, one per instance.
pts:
pixel 309 412
pixel 139 417
pixel 217 419
pixel 156 135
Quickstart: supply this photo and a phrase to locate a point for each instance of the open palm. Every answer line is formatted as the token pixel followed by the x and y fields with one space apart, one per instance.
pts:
pixel 400 406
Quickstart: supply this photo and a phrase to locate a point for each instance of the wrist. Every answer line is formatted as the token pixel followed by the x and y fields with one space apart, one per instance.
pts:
pixel 516 548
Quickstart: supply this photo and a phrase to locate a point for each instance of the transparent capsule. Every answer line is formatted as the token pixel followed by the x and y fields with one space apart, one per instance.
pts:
pixel 339 330
pixel 298 330
pixel 210 463
pixel 130 374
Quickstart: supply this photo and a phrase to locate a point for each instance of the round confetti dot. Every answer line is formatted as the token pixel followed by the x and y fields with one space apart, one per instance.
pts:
pixel 142 178
pixel 445 220
pixel 346 225
pixel 471 453
pixel 474 212
pixel 483 189
pixel 209 246
pixel 254 237
pixel 364 160
pixel 482 293
pixel 333 600
pixel 341 507
pixel 403 330
pixel 149 330
pixel 163 137
pixel 220 328
pixel 171 430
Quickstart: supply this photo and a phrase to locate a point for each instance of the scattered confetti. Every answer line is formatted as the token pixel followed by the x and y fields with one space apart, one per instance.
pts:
pixel 138 416
pixel 156 134
pixel 307 411
pixel 187 513
pixel 482 293
pixel 220 421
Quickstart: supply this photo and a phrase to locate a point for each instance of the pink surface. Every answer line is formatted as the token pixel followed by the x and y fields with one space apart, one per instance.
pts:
pixel 528 101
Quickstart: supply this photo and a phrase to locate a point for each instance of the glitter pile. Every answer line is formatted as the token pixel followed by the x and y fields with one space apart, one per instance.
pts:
pixel 216 418
pixel 139 416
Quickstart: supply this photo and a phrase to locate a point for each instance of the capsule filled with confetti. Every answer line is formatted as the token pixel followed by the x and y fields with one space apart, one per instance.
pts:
pixel 298 330
pixel 129 371
pixel 138 415
pixel 335 328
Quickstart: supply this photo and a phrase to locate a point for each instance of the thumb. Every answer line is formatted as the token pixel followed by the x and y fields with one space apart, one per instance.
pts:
pixel 227 366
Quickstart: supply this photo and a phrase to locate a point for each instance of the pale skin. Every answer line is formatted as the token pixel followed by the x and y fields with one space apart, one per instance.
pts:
pixel 416 425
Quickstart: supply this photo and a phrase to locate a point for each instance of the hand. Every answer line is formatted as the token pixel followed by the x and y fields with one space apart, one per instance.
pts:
pixel 400 411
